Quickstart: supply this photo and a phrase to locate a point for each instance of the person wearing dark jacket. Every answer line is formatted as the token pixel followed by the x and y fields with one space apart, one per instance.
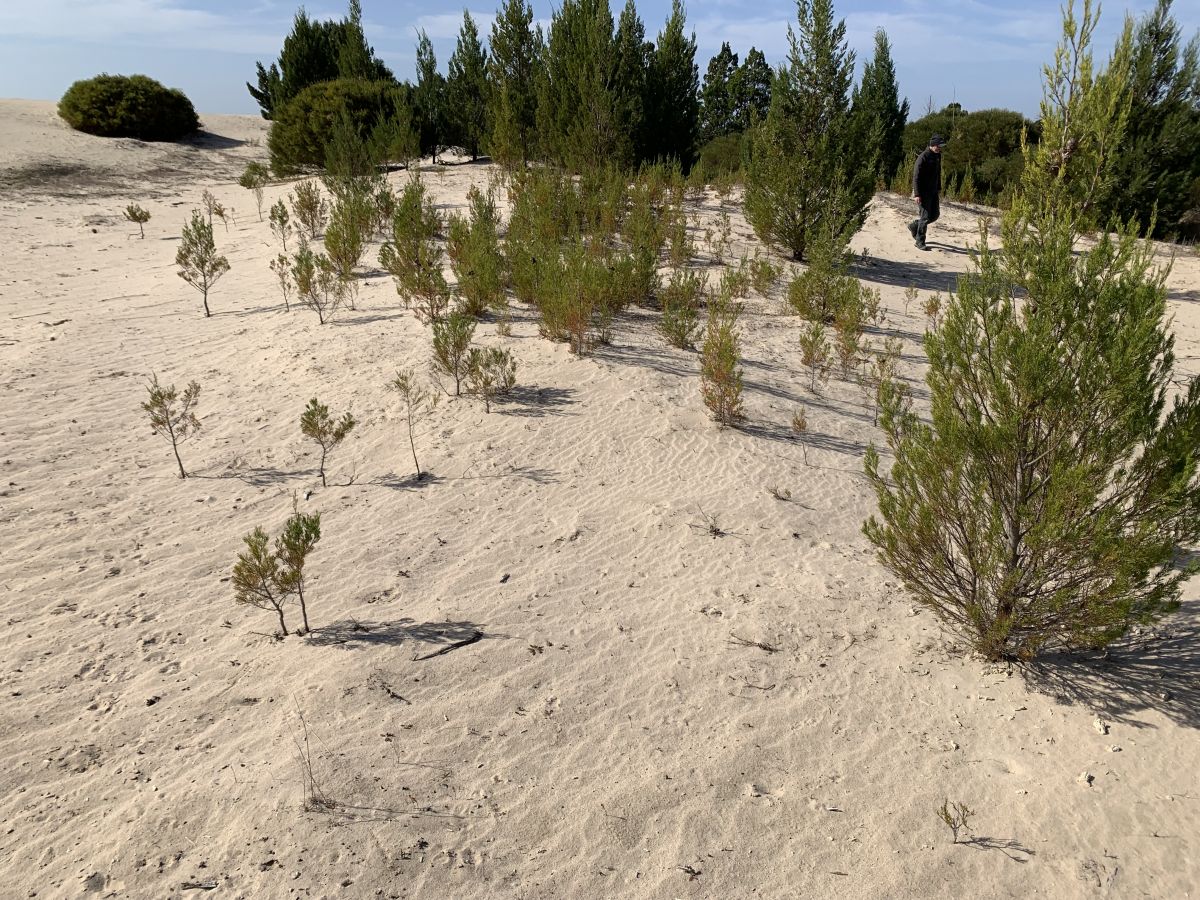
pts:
pixel 927 184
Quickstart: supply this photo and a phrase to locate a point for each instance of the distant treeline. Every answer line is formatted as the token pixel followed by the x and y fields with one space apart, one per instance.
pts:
pixel 593 90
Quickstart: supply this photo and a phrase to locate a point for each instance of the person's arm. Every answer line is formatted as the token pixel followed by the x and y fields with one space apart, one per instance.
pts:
pixel 916 194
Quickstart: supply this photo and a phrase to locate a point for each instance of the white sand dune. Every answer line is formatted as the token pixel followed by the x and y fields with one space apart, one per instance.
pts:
pixel 615 732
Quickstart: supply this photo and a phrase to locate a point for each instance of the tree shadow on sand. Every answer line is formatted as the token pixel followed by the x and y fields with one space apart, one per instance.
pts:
pixel 1010 847
pixel 1158 669
pixel 356 634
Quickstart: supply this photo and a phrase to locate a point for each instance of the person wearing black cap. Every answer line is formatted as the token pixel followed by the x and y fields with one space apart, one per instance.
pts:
pixel 927 183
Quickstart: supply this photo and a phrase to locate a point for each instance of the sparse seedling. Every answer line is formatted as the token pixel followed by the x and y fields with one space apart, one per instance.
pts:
pixel 310 208
pixel 139 216
pixel 491 373
pixel 800 430
pixel 956 816
pixel 815 353
pixel 764 274
pixel 933 310
pixel 419 403
pixel 709 524
pixel 318 425
pixel 214 208
pixel 451 340
pixel 171 416
pixel 199 263
pixel 282 268
pixel 281 223
pixel 910 295
pixel 318 284
pixel 255 178
pixel 266 580
pixel 720 377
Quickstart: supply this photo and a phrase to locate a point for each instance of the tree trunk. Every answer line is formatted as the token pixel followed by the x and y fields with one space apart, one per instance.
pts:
pixel 182 473
pixel 282 625
pixel 303 608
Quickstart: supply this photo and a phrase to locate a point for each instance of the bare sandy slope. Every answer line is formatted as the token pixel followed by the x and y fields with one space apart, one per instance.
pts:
pixel 616 732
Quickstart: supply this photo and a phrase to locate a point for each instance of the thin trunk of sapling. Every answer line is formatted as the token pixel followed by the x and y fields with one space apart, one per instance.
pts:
pixel 282 624
pixel 303 608
pixel 204 292
pixel 413 444
pixel 323 484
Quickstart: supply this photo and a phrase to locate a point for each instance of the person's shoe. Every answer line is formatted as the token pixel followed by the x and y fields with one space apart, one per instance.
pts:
pixel 912 229
pixel 921 246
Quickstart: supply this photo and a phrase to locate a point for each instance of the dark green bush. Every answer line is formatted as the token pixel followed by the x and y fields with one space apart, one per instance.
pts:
pixel 719 158
pixel 128 106
pixel 302 130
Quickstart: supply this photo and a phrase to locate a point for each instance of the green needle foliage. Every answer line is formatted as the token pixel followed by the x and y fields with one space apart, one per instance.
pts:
pixel 680 299
pixel 720 377
pixel 267 580
pixel 199 263
pixel 1041 505
pixel 475 255
pixel 413 256
pixel 451 340
pixel 491 373
pixel 256 178
pixel 319 426
pixel 419 403
pixel 139 216
pixel 310 208
pixel 281 222
pixel 171 416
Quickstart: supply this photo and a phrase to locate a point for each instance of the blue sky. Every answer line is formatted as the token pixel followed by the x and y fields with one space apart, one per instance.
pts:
pixel 981 53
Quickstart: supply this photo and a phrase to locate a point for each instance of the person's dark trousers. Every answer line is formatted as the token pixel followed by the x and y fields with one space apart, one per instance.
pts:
pixel 920 225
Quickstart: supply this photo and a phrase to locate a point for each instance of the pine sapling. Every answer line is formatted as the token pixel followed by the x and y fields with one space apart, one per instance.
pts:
pixel 419 403
pixel 815 353
pixel 933 310
pixel 451 339
pixel 310 208
pixel 171 416
pixel 910 295
pixel 956 816
pixel 491 373
pixel 281 223
pixel 139 216
pixel 300 535
pixel 319 426
pixel 214 208
pixel 256 577
pixel 282 268
pixel 199 263
pixel 720 377
pixel 255 178
pixel 800 430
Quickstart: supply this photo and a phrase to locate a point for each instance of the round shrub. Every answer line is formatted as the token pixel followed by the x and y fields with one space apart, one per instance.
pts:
pixel 128 106
pixel 302 130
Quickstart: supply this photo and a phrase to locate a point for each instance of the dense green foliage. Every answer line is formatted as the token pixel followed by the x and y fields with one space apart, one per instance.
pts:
pixel 466 90
pixel 673 103
pixel 1041 504
pixel 879 114
pixel 301 133
pixel 514 70
pixel 313 52
pixel 431 111
pixel 128 106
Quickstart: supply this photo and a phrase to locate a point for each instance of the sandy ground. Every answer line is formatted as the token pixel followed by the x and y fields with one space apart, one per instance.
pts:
pixel 616 732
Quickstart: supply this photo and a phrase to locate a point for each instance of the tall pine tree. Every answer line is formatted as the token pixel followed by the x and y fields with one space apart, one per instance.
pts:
pixel 674 93
pixel 466 89
pixel 801 184
pixel 577 116
pixel 878 113
pixel 429 98
pixel 631 66
pixel 717 101
pixel 750 88
pixel 514 67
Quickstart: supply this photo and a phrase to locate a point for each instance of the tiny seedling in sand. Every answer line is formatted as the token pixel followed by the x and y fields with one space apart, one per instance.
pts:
pixel 318 425
pixel 800 430
pixel 199 263
pixel 956 816
pixel 779 493
pixel 491 373
pixel 419 403
pixel 281 266
pixel 933 309
pixel 171 416
pixel 139 216
pixel 256 178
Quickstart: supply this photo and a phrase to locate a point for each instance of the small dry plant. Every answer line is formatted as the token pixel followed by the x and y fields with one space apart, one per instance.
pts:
pixel 956 816
pixel 782 494
pixel 138 216
pixel 171 416
pixel 491 373
pixel 255 179
pixel 932 307
pixel 910 296
pixel 199 263
pixel 319 426
pixel 214 207
pixel 419 403
pixel 800 430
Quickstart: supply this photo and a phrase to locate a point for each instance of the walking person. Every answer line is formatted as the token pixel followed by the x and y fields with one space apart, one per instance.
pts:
pixel 927 184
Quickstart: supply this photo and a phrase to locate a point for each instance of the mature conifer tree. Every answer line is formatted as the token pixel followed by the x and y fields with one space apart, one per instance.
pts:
pixel 513 68
pixel 801 181
pixel 429 98
pixel 717 101
pixel 750 88
pixel 674 93
pixel 467 87
pixel 1041 505
pixel 630 70
pixel 879 114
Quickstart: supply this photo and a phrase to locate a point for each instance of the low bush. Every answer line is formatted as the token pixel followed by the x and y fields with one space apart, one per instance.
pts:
pixel 681 298
pixel 132 106
pixel 720 377
pixel 491 373
pixel 719 158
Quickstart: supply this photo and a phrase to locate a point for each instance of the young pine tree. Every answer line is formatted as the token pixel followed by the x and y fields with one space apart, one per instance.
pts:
pixel 139 217
pixel 255 178
pixel 720 377
pixel 199 263
pixel 802 164
pixel 451 342
pixel 319 426
pixel 491 373
pixel 1041 505
pixel 429 98
pixel 292 547
pixel 419 403
pixel 673 88
pixel 171 416
pixel 513 71
pixel 256 577
pixel 878 114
